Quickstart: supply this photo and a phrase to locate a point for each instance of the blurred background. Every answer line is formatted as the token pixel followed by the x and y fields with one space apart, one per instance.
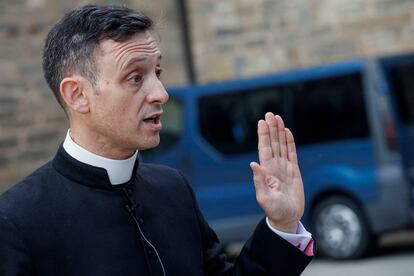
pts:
pixel 238 42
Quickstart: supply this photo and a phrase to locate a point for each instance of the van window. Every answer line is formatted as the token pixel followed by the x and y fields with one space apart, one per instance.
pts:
pixel 228 122
pixel 322 110
pixel 329 109
pixel 402 82
pixel 172 127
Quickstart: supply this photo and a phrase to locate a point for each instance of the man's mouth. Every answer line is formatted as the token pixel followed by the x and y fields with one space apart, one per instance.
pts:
pixel 154 121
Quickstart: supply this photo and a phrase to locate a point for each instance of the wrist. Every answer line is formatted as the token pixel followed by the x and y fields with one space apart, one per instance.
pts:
pixel 287 227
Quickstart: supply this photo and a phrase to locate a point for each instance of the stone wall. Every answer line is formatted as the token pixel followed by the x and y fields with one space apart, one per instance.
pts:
pixel 238 38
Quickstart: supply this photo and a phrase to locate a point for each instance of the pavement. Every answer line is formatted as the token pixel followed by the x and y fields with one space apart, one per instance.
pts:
pixel 394 257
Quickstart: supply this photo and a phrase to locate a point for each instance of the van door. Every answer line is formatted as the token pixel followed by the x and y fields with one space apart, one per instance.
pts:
pixel 226 142
pixel 400 74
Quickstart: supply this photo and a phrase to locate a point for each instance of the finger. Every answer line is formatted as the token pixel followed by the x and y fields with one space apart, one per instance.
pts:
pixel 258 176
pixel 265 151
pixel 274 139
pixel 291 147
pixel 282 136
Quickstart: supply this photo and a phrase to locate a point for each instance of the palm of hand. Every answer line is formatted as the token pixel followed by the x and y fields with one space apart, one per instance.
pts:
pixel 278 182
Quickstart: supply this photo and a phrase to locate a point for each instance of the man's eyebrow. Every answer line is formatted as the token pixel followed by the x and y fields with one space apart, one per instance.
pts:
pixel 132 61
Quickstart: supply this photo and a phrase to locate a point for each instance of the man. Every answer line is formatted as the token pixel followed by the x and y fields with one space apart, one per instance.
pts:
pixel 95 210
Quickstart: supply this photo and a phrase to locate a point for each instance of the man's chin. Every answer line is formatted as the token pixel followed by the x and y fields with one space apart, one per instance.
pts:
pixel 150 144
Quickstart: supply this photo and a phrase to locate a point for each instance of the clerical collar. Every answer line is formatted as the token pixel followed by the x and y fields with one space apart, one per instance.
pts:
pixel 119 171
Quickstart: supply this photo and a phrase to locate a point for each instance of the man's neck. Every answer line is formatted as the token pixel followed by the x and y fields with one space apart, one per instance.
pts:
pixel 98 144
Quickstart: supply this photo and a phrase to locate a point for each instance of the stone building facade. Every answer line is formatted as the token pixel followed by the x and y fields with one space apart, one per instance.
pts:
pixel 228 39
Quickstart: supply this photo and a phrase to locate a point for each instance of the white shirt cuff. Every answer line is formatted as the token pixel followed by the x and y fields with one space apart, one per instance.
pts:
pixel 300 240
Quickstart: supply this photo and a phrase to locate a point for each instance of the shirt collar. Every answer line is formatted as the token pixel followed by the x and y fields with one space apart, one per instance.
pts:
pixel 119 171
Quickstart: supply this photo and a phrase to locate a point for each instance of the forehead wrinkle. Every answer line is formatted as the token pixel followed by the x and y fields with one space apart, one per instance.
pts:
pixel 123 50
pixel 121 47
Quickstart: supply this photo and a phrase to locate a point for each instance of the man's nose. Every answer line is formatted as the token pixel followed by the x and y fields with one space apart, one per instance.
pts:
pixel 158 94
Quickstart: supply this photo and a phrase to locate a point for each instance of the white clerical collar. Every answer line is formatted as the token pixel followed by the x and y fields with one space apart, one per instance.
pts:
pixel 119 171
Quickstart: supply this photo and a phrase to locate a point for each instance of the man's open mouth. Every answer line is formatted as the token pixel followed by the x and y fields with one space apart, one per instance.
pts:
pixel 154 121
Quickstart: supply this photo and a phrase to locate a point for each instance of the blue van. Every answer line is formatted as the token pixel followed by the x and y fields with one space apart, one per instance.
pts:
pixel 353 124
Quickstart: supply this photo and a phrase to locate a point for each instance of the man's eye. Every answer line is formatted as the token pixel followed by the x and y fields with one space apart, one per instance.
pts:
pixel 158 72
pixel 135 79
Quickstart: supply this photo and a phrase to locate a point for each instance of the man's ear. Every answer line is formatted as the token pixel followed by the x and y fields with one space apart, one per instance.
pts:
pixel 73 92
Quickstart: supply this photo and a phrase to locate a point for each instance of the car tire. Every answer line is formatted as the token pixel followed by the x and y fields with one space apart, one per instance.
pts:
pixel 340 229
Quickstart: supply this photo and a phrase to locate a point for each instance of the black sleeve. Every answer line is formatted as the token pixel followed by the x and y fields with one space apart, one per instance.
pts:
pixel 265 253
pixel 14 255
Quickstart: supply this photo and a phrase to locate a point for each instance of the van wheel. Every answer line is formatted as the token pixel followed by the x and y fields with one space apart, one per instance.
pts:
pixel 340 229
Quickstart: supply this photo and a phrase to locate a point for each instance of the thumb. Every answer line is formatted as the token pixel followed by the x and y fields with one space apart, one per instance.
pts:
pixel 258 176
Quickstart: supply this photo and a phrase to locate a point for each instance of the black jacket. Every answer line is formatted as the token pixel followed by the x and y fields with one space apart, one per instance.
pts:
pixel 67 219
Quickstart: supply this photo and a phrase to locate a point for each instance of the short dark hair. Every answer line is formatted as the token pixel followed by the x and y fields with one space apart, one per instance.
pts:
pixel 70 44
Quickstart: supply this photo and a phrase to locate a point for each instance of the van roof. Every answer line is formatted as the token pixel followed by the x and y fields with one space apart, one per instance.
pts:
pixel 303 74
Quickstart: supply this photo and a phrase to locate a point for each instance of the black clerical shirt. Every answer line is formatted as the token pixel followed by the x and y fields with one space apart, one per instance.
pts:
pixel 67 219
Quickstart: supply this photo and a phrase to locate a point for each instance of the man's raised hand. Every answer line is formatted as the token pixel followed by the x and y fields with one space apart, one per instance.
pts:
pixel 277 179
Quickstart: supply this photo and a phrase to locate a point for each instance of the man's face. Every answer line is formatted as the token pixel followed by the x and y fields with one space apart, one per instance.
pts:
pixel 126 108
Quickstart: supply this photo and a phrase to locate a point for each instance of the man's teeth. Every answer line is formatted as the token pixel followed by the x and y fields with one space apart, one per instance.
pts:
pixel 153 120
